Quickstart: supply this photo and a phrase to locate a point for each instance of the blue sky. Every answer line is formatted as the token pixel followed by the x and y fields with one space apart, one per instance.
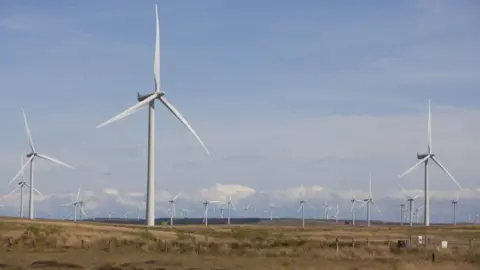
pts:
pixel 283 93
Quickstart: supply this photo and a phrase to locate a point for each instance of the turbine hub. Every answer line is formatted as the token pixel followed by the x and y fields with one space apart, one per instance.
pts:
pixel 31 154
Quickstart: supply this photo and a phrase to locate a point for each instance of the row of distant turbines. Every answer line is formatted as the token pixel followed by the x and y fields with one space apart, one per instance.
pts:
pixel 158 93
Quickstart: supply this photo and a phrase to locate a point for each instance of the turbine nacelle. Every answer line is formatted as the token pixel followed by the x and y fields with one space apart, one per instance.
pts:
pixel 31 154
pixel 422 156
pixel 141 98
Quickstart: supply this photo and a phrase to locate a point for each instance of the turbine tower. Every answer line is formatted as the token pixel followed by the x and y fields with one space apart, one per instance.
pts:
pixel 454 204
pixel 20 185
pixel 424 158
pixel 174 212
pixel 369 201
pixel 31 157
pixel 149 99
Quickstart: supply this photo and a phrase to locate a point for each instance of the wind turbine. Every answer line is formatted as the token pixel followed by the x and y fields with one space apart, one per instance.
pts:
pixel 369 200
pixel 184 212
pixel 410 200
pixel 78 203
pixel 174 212
pixel 402 212
pixel 454 203
pixel 20 185
pixel 337 213
pixel 31 157
pixel 302 208
pixel 424 158
pixel 353 209
pixel 417 213
pixel 205 214
pixel 326 209
pixel 270 211
pixel 230 206
pixel 149 100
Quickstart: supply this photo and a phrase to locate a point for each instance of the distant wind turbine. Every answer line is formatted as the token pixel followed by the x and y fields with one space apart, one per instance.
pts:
pixel 20 185
pixel 424 158
pixel 149 100
pixel 78 203
pixel 205 213
pixel 369 200
pixel 353 209
pixel 31 157
pixel 174 212
pixel 230 206
pixel 454 204
pixel 410 200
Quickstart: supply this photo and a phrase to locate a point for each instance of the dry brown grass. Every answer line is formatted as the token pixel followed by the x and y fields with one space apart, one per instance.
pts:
pixel 68 245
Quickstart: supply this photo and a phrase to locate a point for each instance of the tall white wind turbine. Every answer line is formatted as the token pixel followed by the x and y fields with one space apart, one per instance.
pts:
pixel 20 185
pixel 149 100
pixel 31 157
pixel 174 212
pixel 424 158
pixel 369 201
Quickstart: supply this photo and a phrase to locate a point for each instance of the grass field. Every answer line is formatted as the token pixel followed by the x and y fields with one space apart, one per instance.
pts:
pixel 68 245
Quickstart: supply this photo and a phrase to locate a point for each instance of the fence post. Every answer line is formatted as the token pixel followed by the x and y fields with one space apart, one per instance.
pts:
pixel 336 243
pixel 368 242
pixel 353 242
pixel 470 243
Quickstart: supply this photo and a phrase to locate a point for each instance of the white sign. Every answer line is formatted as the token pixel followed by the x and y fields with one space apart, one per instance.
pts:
pixel 420 240
pixel 444 244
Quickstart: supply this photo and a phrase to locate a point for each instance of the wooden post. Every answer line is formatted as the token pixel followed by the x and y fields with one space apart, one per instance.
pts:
pixel 336 242
pixel 470 243
pixel 353 242
pixel 368 242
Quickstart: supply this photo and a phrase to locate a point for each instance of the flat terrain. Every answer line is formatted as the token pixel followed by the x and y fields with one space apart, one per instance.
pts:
pixel 43 244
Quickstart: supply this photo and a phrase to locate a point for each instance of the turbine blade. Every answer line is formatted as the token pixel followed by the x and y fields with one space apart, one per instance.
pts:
pixel 78 192
pixel 21 164
pixel 54 160
pixel 370 184
pixel 21 170
pixel 156 57
pixel 176 196
pixel 429 128
pixel 29 133
pixel 300 208
pixel 38 191
pixel 129 111
pixel 446 171
pixel 83 212
pixel 376 207
pixel 215 202
pixel 415 197
pixel 11 192
pixel 180 117
pixel 414 166
pixel 310 205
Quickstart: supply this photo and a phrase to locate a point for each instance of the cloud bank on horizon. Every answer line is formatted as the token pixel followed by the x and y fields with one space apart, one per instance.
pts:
pixel 284 96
